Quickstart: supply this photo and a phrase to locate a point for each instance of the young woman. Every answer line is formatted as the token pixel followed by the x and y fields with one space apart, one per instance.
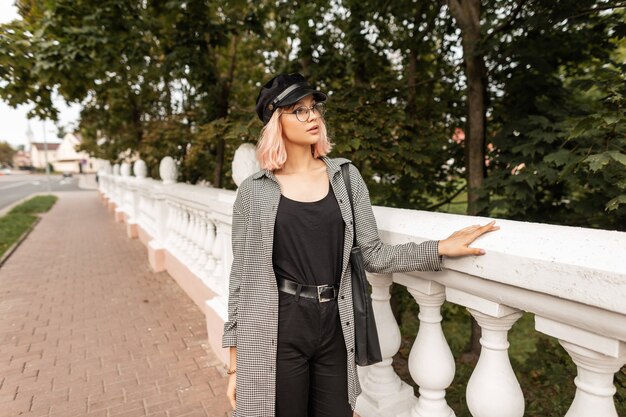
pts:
pixel 290 316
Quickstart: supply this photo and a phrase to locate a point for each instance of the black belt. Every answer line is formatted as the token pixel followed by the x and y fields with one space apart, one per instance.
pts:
pixel 321 293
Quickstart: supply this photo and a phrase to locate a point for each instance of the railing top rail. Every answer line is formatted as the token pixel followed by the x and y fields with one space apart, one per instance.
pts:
pixel 579 264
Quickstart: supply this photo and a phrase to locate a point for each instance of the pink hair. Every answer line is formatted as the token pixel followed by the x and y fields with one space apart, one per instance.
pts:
pixel 271 151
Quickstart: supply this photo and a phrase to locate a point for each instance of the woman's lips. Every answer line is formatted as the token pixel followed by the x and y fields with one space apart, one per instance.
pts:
pixel 314 129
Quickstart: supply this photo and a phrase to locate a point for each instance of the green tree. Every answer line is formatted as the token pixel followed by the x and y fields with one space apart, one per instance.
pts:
pixel 548 119
pixel 6 154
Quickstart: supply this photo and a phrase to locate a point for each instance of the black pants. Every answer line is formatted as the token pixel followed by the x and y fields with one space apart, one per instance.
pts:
pixel 311 364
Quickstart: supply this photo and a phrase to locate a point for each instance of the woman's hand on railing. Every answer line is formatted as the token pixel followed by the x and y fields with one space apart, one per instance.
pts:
pixel 458 242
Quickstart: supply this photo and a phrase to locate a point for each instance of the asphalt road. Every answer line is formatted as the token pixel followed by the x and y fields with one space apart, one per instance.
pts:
pixel 17 186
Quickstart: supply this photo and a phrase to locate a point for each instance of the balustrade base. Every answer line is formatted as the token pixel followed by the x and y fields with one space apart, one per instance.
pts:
pixel 187 280
pixel 132 229
pixel 399 404
pixel 120 216
pixel 156 256
pixel 215 310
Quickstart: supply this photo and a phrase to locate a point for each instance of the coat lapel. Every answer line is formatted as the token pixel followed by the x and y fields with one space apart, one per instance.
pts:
pixel 268 198
pixel 333 168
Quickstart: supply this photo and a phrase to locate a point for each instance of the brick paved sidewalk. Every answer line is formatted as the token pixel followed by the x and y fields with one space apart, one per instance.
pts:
pixel 86 329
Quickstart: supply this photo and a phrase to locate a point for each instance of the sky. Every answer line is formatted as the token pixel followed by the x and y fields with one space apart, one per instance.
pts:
pixel 14 123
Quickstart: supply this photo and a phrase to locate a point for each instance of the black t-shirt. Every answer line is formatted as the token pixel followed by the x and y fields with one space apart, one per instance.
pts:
pixel 308 240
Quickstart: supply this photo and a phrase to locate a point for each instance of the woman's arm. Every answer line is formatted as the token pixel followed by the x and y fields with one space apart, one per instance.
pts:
pixel 426 256
pixel 239 230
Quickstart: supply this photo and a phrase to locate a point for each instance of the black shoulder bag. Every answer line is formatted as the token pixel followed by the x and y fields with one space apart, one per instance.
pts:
pixel 367 346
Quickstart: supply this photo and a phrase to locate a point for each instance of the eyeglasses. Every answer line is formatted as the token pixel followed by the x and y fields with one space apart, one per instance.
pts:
pixel 303 113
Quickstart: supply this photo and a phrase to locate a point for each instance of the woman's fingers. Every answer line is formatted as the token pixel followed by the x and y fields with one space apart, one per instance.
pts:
pixel 458 243
pixel 484 229
pixel 230 391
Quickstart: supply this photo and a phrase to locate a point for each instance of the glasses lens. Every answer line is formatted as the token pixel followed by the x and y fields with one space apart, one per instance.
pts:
pixel 320 108
pixel 302 113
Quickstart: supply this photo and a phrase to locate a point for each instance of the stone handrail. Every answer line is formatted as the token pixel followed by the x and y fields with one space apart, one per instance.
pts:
pixel 573 280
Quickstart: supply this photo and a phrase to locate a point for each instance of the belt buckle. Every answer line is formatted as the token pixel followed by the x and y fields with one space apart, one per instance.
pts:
pixel 319 293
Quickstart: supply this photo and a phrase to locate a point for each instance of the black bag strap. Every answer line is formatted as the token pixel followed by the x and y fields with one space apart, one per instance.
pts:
pixel 345 170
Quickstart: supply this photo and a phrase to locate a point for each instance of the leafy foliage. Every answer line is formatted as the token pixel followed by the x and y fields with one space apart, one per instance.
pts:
pixel 561 115
pixel 6 154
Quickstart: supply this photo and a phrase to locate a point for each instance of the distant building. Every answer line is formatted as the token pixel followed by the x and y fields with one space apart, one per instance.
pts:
pixel 38 154
pixel 21 160
pixel 63 156
pixel 68 159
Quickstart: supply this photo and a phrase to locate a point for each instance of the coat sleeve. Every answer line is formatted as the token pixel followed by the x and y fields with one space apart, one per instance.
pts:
pixel 378 256
pixel 239 230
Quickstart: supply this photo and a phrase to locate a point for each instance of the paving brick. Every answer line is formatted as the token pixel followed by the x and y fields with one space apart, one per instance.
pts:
pixel 190 410
pixel 77 337
pixel 132 408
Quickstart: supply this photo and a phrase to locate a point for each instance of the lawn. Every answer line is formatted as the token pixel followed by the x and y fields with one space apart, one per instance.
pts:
pixel 20 218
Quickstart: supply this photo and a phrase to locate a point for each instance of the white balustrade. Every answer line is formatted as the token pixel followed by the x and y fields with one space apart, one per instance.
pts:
pixel 569 278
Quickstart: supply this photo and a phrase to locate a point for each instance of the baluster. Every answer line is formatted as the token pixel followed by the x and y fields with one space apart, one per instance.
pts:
pixel 208 248
pixel 186 232
pixel 201 259
pixel 178 229
pixel 170 229
pixel 218 248
pixel 383 390
pixel 431 362
pixel 597 358
pixel 197 238
pixel 594 382
pixel 493 389
pixel 194 249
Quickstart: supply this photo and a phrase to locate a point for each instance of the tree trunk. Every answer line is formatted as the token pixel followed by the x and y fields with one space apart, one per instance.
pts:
pixel 467 15
pixel 223 112
pixel 358 43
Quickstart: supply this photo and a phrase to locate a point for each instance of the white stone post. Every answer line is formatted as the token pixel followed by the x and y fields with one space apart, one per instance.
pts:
pixel 594 382
pixel 431 362
pixel 217 277
pixel 208 249
pixel 597 358
pixel 185 232
pixel 384 393
pixel 140 169
pixel 493 389
pixel 168 170
pixel 196 237
pixel 245 163
pixel 202 257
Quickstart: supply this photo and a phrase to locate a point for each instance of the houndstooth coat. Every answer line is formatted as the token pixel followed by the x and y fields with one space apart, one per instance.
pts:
pixel 252 324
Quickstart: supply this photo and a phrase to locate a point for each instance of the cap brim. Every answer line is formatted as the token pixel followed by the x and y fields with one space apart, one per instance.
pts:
pixel 299 94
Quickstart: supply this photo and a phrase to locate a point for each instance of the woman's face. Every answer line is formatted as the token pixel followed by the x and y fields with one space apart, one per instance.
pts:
pixel 297 132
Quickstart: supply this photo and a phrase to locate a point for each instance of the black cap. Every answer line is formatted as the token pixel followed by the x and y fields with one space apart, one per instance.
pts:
pixel 281 91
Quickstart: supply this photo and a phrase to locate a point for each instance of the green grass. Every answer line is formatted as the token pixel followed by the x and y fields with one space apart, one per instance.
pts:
pixel 19 219
pixel 38 204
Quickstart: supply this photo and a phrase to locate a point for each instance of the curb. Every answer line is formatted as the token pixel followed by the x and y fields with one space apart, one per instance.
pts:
pixel 13 247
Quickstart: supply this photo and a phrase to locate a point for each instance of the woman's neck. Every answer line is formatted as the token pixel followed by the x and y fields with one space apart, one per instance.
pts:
pixel 299 160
